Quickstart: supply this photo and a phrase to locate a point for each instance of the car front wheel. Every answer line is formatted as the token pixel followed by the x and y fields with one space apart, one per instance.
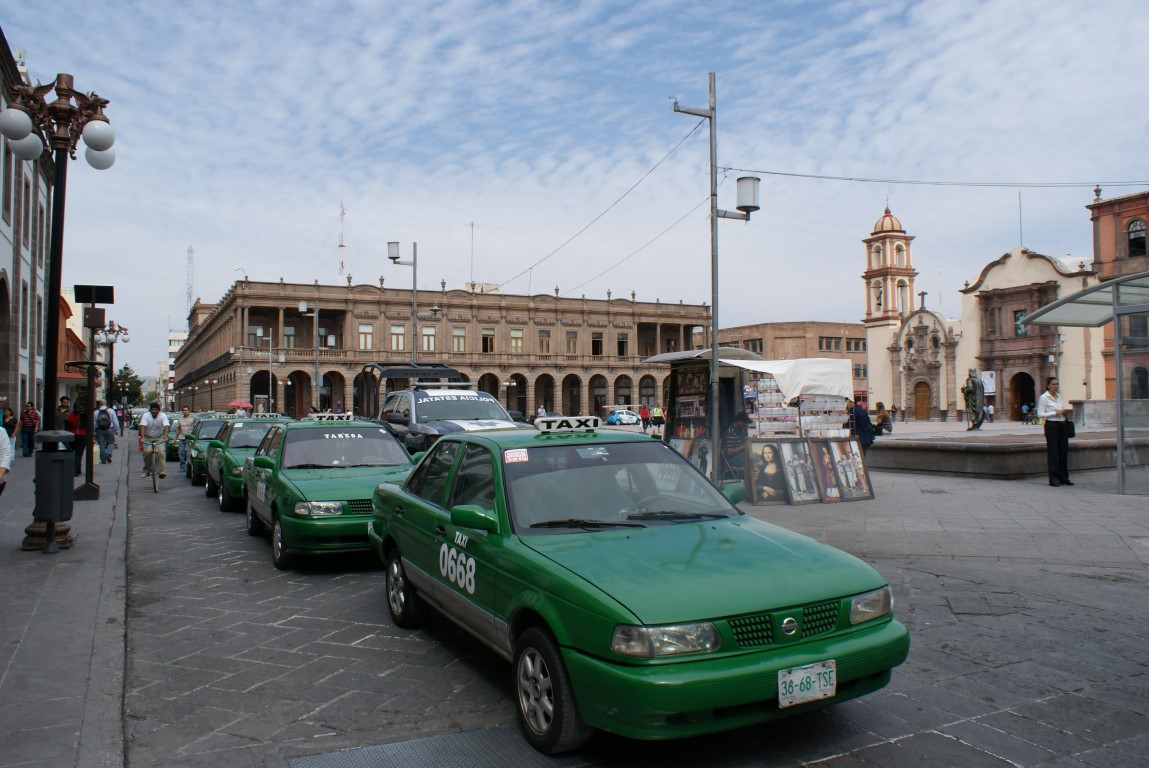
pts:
pixel 547 710
pixel 407 609
pixel 279 554
pixel 226 502
pixel 209 487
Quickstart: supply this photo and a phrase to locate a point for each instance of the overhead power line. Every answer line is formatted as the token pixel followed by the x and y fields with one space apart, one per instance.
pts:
pixel 862 179
pixel 592 222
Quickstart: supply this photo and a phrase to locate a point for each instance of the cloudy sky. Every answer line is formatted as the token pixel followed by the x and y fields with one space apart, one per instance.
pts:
pixel 533 144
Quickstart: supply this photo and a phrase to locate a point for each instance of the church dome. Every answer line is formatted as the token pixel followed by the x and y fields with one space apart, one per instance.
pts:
pixel 887 223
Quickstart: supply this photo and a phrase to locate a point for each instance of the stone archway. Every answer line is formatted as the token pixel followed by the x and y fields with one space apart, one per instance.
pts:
pixel 331 396
pixel 297 394
pixel 599 394
pixel 1022 389
pixel 1139 383
pixel 923 398
pixel 572 396
pixel 545 392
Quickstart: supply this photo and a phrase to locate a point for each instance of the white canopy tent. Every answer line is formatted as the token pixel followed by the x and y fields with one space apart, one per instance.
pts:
pixel 805 376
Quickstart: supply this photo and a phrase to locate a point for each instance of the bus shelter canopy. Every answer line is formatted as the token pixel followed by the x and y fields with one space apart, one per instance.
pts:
pixel 1096 305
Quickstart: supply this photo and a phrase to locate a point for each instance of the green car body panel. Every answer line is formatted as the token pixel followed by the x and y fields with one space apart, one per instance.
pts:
pixel 226 453
pixel 581 582
pixel 195 446
pixel 273 487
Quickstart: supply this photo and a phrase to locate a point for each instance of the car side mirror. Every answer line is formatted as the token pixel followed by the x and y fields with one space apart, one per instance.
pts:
pixel 734 492
pixel 396 418
pixel 263 462
pixel 474 516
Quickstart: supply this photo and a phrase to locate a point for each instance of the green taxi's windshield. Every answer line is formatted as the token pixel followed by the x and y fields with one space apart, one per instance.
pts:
pixel 247 434
pixel 457 405
pixel 606 484
pixel 208 429
pixel 350 446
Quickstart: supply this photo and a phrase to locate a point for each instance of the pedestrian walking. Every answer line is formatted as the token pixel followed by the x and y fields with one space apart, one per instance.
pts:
pixel 76 422
pixel 5 458
pixel 893 417
pixel 657 419
pixel 184 429
pixel 1055 413
pixel 1025 413
pixel 12 427
pixel 859 424
pixel 644 414
pixel 29 423
pixel 107 426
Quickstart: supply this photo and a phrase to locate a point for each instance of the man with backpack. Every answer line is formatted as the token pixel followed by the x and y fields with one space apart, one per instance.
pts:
pixel 107 425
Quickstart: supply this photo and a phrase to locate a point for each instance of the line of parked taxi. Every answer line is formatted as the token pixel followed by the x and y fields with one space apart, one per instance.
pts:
pixel 627 592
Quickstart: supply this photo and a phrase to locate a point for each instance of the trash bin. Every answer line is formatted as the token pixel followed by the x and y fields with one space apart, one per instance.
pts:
pixel 55 473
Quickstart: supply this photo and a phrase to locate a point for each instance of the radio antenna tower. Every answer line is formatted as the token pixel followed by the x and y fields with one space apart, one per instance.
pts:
pixel 190 279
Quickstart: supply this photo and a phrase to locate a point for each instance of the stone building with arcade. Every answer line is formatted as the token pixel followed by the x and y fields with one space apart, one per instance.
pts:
pixel 287 346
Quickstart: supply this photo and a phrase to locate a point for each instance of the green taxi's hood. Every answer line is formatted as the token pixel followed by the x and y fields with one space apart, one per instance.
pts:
pixel 722 568
pixel 338 483
pixel 238 455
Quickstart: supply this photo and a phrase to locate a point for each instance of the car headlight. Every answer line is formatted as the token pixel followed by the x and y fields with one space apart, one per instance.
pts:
pixel 871 605
pixel 237 471
pixel 318 508
pixel 653 642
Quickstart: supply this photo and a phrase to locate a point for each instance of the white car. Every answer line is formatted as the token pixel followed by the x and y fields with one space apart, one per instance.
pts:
pixel 623 416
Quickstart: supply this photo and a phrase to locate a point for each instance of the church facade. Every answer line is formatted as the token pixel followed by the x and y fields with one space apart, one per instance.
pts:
pixel 919 359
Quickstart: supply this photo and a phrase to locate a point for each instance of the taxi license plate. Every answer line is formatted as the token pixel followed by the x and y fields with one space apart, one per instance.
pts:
pixel 800 685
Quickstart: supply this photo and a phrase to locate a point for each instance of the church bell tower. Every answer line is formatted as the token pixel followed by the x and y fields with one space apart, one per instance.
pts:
pixel 889 299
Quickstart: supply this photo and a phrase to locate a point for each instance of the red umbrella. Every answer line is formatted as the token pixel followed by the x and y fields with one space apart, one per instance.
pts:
pixel 239 404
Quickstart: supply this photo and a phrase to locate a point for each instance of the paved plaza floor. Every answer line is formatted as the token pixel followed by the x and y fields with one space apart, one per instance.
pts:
pixel 165 637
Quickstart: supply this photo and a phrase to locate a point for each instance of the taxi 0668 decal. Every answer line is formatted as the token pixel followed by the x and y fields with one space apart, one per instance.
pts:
pixel 456 566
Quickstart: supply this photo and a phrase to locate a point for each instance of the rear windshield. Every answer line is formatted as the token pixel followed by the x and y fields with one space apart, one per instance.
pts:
pixel 463 406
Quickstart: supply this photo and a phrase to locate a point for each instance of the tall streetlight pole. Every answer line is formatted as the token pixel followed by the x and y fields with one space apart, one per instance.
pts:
pixel 211 392
pixel 393 254
pixel 747 204
pixel 109 336
pixel 315 378
pixel 31 125
pixel 270 367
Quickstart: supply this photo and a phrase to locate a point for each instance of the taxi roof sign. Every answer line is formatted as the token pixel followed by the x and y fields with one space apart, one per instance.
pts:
pixel 552 424
pixel 349 416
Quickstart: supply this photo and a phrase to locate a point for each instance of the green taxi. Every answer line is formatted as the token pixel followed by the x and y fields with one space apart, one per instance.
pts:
pixel 311 482
pixel 628 594
pixel 205 429
pixel 237 439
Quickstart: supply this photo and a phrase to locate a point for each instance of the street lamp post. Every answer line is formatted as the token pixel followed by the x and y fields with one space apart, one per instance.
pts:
pixel 270 366
pixel 211 392
pixel 31 125
pixel 747 204
pixel 315 335
pixel 109 336
pixel 393 254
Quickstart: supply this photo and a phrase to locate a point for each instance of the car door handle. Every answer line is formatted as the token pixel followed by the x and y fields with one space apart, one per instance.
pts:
pixel 399 510
pixel 441 530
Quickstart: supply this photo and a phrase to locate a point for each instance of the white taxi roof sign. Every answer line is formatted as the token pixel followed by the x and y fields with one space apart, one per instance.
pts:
pixel 349 416
pixel 552 424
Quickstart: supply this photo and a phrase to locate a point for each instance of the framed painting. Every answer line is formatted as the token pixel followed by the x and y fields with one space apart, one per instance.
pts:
pixel 800 477
pixel 681 444
pixel 853 480
pixel 699 454
pixel 825 471
pixel 767 470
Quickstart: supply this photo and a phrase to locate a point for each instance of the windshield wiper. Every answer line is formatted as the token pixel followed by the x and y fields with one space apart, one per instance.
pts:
pixel 308 466
pixel 666 514
pixel 577 522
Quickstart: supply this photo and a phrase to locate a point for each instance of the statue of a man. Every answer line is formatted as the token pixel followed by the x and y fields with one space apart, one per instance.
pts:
pixel 974 392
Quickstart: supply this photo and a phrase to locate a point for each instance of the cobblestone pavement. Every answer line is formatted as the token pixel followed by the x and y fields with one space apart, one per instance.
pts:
pixel 1027 605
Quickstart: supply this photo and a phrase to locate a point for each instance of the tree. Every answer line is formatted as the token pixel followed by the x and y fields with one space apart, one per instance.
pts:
pixel 129 386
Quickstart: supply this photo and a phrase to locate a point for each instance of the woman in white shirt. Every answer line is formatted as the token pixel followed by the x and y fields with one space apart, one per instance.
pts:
pixel 1053 411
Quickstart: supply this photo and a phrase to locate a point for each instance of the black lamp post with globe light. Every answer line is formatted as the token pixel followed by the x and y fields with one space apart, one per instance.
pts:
pixel 32 124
